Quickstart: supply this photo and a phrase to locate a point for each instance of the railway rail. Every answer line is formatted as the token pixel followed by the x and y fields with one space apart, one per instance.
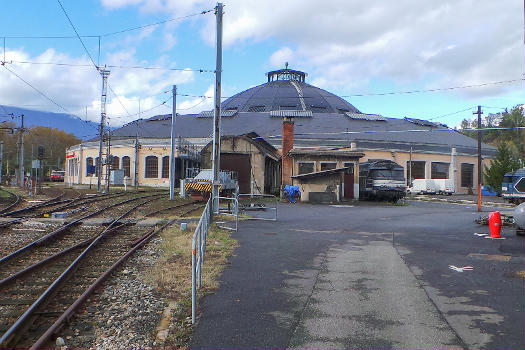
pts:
pixel 13 203
pixel 62 229
pixel 89 262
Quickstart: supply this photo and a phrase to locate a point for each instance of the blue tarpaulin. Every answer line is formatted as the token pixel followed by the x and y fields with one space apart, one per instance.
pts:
pixel 292 191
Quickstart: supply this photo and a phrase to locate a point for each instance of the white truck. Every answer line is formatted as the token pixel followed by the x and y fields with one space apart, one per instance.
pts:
pixel 432 186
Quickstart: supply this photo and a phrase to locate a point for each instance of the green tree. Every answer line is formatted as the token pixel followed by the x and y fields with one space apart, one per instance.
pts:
pixel 55 142
pixel 515 136
pixel 504 162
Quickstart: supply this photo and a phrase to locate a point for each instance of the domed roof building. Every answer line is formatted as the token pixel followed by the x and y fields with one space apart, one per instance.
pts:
pixel 322 120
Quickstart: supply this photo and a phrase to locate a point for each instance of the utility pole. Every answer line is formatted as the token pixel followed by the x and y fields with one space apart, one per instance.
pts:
pixel 104 73
pixel 172 157
pixel 1 159
pixel 22 168
pixel 109 159
pixel 480 171
pixel 217 115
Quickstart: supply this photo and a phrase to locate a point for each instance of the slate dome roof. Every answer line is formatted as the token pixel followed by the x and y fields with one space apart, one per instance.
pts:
pixel 286 90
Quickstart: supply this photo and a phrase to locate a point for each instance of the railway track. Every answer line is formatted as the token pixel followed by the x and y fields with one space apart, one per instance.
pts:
pixel 45 209
pixel 113 209
pixel 16 200
pixel 57 283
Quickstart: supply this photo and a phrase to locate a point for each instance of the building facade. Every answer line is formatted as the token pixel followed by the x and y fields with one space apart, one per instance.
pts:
pixel 322 121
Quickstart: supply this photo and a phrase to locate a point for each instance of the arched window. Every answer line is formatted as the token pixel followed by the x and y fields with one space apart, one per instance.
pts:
pixel 165 167
pixel 90 170
pixel 152 167
pixel 126 166
pixel 115 163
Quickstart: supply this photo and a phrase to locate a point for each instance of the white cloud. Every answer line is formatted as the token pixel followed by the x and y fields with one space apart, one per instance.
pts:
pixel 198 104
pixel 76 88
pixel 347 43
pixel 279 57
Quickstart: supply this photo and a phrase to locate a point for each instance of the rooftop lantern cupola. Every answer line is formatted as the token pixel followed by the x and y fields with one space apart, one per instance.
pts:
pixel 286 74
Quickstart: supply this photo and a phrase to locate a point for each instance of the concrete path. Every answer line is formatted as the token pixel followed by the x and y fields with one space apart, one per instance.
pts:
pixel 366 298
pixel 367 277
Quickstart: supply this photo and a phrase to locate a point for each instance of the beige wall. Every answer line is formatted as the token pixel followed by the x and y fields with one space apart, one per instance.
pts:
pixel 120 151
pixel 242 146
pixel 402 158
pixel 327 183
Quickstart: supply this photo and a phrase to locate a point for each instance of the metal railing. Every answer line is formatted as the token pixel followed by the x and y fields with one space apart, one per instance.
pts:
pixel 198 246
pixel 258 203
pixel 228 206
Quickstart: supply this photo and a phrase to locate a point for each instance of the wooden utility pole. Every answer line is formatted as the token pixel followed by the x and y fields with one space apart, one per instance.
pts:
pixel 480 170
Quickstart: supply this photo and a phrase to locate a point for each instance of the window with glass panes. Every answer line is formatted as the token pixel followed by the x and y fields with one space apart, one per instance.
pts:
pixel 126 166
pixel 439 170
pixel 305 167
pixel 467 175
pixel 152 167
pixel 166 167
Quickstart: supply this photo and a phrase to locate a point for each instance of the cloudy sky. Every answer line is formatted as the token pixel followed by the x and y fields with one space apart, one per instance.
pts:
pixel 354 48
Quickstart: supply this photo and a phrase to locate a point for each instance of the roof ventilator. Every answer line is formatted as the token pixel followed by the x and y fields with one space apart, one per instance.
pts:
pixel 291 113
pixel 230 112
pixel 420 122
pixel 257 109
pixel 364 116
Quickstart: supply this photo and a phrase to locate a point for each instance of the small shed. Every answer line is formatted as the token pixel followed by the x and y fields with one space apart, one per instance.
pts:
pixel 327 186
pixel 319 172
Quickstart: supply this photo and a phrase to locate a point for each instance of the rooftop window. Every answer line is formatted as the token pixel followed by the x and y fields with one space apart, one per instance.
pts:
pixel 286 74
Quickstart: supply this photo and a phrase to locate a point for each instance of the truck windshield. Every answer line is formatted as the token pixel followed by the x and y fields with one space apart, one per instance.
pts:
pixel 385 174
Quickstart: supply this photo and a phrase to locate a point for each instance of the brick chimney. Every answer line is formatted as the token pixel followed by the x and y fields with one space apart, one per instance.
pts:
pixel 287 139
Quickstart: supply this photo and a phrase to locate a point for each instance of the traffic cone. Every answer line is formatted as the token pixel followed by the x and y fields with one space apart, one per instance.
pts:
pixel 495 224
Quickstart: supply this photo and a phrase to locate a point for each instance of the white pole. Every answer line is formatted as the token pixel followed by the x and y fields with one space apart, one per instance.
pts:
pixel 172 158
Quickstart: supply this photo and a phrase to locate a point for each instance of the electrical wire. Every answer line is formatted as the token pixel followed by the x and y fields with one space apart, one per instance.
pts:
pixel 48 98
pixel 144 111
pixel 449 114
pixel 78 35
pixel 106 34
pixel 157 23
pixel 375 94
pixel 111 66
pixel 395 131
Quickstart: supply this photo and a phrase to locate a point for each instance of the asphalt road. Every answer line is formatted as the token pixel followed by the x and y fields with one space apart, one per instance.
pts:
pixel 370 276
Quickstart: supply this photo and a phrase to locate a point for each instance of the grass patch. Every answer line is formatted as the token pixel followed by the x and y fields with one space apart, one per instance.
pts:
pixel 172 275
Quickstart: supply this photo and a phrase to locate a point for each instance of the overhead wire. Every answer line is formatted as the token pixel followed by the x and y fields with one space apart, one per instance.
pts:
pixel 47 97
pixel 143 111
pixel 395 131
pixel 381 93
pixel 112 66
pixel 78 35
pixel 109 33
pixel 157 23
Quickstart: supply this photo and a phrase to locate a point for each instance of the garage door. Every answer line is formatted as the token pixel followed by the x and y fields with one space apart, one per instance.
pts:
pixel 241 164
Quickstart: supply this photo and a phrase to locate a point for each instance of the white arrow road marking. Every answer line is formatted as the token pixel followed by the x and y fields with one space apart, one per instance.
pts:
pixel 480 234
pixel 460 269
